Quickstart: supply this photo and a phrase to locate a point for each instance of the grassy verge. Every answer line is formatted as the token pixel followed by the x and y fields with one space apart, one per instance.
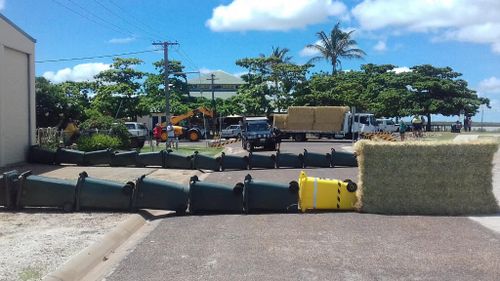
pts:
pixel 188 150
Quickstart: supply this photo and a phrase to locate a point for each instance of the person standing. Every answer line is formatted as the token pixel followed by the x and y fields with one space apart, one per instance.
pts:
pixel 417 126
pixel 170 134
pixel 157 133
pixel 402 130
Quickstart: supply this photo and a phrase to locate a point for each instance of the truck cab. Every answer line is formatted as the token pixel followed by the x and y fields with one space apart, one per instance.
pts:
pixel 257 132
pixel 362 123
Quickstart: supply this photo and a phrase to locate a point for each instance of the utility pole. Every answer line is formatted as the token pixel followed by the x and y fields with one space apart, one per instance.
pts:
pixel 214 109
pixel 166 71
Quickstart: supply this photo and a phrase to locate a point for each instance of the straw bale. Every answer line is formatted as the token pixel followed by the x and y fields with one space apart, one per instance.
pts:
pixel 329 118
pixel 300 118
pixel 426 178
pixel 279 121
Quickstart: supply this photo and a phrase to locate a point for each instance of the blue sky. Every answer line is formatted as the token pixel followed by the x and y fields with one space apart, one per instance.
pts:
pixel 213 34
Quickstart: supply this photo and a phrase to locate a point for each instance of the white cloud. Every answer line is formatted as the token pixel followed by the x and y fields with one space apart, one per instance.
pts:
pixel 2 4
pixel 401 69
pixel 282 15
pixel 490 85
pixel 125 40
pixel 79 73
pixel 381 46
pixel 310 52
pixel 474 21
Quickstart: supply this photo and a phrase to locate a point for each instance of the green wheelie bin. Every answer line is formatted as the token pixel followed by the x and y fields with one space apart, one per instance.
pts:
pixel 342 158
pixel 204 162
pixel 206 197
pixel 269 197
pixel 38 191
pixel 156 159
pixel 317 160
pixel 41 155
pixel 9 183
pixel 124 159
pixel 261 161
pixel 97 157
pixel 174 160
pixel 70 156
pixel 230 162
pixel 160 194
pixel 289 160
pixel 97 194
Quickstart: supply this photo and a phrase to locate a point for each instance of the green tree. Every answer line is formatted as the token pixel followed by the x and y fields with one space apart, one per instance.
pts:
pixel 336 46
pixel 57 102
pixel 118 89
pixel 154 98
pixel 439 90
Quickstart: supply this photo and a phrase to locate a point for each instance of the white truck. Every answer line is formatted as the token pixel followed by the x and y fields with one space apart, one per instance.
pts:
pixel 387 125
pixel 323 121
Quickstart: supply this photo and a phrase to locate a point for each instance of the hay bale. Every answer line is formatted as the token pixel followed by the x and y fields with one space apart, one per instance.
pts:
pixel 300 118
pixel 329 118
pixel 426 178
pixel 279 121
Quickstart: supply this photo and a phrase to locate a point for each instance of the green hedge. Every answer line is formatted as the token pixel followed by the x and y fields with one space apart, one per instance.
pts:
pixel 98 142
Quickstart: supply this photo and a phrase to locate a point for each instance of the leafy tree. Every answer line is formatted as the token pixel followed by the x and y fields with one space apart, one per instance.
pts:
pixel 118 88
pixel 57 102
pixel 154 98
pixel 335 47
pixel 439 90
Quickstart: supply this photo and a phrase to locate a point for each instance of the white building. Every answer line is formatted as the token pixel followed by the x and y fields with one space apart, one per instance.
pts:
pixel 17 93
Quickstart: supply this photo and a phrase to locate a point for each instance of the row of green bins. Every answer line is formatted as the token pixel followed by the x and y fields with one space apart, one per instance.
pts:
pixel 214 198
pixel 174 160
pixel 230 162
pixel 9 183
pixel 261 161
pixel 97 157
pixel 262 196
pixel 38 191
pixel 289 160
pixel 158 194
pixel 94 193
pixel 318 160
pixel 156 158
pixel 204 162
pixel 70 156
pixel 41 155
pixel 123 159
pixel 341 158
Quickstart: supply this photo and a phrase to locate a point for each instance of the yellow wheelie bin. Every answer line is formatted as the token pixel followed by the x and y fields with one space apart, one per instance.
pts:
pixel 326 194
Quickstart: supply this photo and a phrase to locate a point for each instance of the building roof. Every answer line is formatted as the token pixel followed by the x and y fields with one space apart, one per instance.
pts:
pixel 221 78
pixel 17 28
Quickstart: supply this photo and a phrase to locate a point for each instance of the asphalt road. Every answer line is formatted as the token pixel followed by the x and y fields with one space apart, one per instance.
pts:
pixel 334 246
pixel 328 246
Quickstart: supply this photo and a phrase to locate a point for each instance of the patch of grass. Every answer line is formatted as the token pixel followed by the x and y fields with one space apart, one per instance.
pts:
pixel 189 150
pixel 30 273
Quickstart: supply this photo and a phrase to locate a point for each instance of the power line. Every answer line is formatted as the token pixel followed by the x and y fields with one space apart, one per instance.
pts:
pixel 124 19
pixel 100 18
pixel 134 17
pixel 185 56
pixel 86 17
pixel 95 57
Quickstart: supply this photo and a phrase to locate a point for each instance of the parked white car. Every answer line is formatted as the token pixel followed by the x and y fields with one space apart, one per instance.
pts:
pixel 232 131
pixel 139 133
pixel 387 125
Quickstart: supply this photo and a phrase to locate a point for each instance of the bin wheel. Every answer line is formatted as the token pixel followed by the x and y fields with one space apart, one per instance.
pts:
pixel 351 186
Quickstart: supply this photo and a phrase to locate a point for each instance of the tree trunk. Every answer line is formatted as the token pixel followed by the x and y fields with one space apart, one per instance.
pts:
pixel 428 126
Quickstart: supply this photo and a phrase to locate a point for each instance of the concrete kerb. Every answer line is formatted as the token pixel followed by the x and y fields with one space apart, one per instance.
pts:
pixel 79 265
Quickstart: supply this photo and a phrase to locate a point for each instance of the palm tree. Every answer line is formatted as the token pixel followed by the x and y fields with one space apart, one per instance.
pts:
pixel 335 47
pixel 279 54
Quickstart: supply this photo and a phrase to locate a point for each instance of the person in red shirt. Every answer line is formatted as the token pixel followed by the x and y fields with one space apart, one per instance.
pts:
pixel 157 133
